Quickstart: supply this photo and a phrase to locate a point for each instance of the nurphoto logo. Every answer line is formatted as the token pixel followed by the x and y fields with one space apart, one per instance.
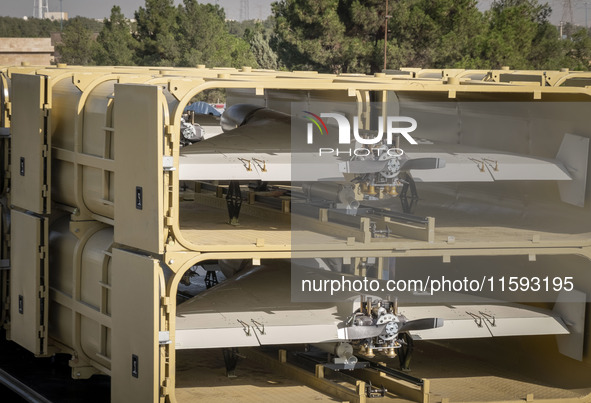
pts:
pixel 390 124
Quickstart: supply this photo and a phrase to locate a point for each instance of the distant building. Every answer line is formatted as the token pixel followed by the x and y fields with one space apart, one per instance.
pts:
pixel 36 51
pixel 56 16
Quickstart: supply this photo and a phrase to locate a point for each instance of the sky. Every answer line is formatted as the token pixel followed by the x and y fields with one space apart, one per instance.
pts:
pixel 257 8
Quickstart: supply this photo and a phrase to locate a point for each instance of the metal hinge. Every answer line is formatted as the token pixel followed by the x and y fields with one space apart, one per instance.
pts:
pixel 164 338
pixel 4 264
pixel 164 389
pixel 41 291
pixel 42 252
pixel 168 129
pixel 46 110
pixel 168 163
pixel 44 191
pixel 44 151
pixel 165 302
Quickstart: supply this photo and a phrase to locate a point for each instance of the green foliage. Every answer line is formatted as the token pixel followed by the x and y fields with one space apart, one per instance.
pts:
pixel 259 38
pixel 156 27
pixel 515 27
pixel 77 45
pixel 238 28
pixel 443 33
pixel 312 36
pixel 203 35
pixel 116 46
pixel 32 28
pixel 579 50
pixel 348 35
pixel 91 24
pixel 40 28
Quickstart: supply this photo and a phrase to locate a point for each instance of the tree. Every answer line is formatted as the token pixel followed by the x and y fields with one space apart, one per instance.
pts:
pixel 311 36
pixel 513 30
pixel 259 40
pixel 437 34
pixel 77 45
pixel 32 28
pixel 348 35
pixel 578 55
pixel 204 38
pixel 116 46
pixel 156 27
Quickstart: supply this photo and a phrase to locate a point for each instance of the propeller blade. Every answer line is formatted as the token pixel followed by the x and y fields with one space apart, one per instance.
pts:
pixel 421 324
pixel 423 163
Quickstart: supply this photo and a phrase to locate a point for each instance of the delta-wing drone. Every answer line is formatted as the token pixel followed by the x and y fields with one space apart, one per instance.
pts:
pixel 255 308
pixel 257 144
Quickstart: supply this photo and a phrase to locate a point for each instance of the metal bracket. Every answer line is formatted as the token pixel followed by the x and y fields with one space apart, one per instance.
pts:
pixel 245 326
pixel 494 164
pixel 246 164
pixel 477 319
pixel 260 327
pixel 258 163
pixel 479 163
pixel 489 318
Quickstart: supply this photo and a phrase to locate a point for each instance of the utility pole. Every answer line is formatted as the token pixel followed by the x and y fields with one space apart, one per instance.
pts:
pixel 561 23
pixel 586 20
pixel 386 36
pixel 61 17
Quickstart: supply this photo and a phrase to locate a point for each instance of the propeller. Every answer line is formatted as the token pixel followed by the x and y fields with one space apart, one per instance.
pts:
pixel 369 331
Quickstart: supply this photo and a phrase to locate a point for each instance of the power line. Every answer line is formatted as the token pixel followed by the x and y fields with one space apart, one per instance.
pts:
pixel 567 11
pixel 244 10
